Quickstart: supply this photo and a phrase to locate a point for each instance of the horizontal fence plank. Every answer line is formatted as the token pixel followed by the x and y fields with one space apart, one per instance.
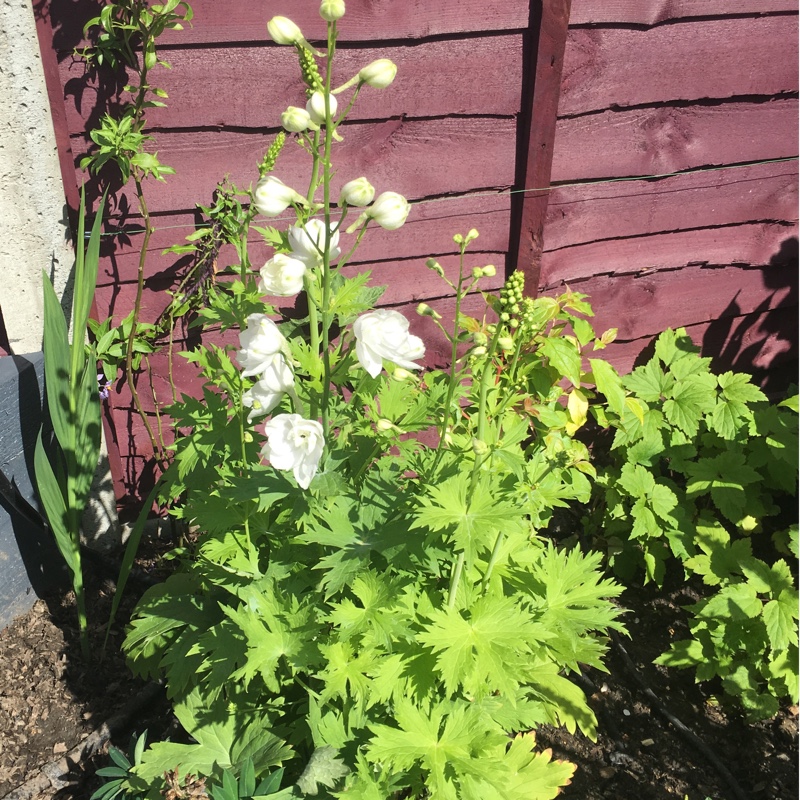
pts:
pixel 418 158
pixel 597 211
pixel 651 12
pixel 761 344
pixel 428 231
pixel 366 20
pixel 643 305
pixel 249 87
pixel 608 67
pixel 669 139
pixel 754 244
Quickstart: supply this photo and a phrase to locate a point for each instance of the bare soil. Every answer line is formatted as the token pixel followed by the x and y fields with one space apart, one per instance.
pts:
pixel 51 701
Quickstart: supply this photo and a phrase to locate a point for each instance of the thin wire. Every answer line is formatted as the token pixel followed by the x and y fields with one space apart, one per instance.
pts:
pixel 509 192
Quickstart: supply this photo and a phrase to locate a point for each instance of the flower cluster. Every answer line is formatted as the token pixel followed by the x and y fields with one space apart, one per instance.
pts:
pixel 309 258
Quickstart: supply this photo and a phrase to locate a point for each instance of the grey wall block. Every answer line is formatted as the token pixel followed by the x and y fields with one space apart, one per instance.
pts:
pixel 29 560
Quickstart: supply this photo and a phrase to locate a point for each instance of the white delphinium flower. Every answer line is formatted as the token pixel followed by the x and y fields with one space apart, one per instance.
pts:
pixel 261 343
pixel 295 119
pixel 282 276
pixel 294 443
pixel 274 382
pixel 359 192
pixel 272 196
pixel 378 74
pixel 383 334
pixel 308 243
pixel 389 210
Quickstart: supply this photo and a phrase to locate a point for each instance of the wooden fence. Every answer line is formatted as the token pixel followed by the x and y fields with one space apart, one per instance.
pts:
pixel 493 97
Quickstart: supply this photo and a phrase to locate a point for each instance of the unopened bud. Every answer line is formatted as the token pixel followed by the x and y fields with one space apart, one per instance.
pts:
pixel 478 351
pixel 433 264
pixel 331 10
pixel 489 271
pixel 424 310
pixel 284 31
pixel 401 374
pixel 384 425
pixel 359 192
pixel 505 343
pixel 477 272
pixel 479 447
pixel 379 74
pixel 295 119
pixel 473 234
pixel 480 338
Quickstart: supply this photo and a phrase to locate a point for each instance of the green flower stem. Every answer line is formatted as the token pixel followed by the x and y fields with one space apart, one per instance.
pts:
pixel 359 237
pixel 314 184
pixel 455 580
pixel 326 256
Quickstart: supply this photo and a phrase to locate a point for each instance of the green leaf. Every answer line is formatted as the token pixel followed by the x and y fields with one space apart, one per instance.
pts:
pixel 324 768
pixel 56 365
pixel 609 383
pixel 779 617
pixel 690 400
pixel 649 382
pixel 564 357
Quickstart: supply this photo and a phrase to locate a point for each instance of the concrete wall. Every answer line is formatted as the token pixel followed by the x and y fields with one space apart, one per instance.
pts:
pixel 33 228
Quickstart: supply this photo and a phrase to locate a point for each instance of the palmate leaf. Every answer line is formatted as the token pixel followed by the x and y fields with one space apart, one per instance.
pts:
pixel 486 652
pixel 650 382
pixel 724 476
pixel 690 400
pixel 325 768
pixel 471 520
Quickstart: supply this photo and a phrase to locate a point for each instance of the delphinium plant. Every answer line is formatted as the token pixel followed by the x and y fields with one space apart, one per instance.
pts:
pixel 368 604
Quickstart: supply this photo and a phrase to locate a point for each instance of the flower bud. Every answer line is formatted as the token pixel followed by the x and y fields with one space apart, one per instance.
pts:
pixel 477 272
pixel 478 351
pixel 384 425
pixel 473 234
pixel 379 74
pixel 359 192
pixel 295 119
pixel 390 210
pixel 272 196
pixel 331 10
pixel 283 31
pixel 401 374
pixel 433 264
pixel 479 447
pixel 489 271
pixel 316 107
pixel 480 338
pixel 424 310
pixel 505 343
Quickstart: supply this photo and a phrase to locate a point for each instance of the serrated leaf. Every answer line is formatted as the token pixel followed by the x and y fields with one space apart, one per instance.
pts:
pixel 324 768
pixel 779 617
pixel 609 383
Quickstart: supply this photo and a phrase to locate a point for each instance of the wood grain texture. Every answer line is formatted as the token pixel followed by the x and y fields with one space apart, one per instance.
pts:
pixel 605 67
pixel 366 20
pixel 643 305
pixel 428 232
pixel 651 12
pixel 535 161
pixel 418 158
pixel 249 86
pixel 595 212
pixel 752 244
pixel 665 139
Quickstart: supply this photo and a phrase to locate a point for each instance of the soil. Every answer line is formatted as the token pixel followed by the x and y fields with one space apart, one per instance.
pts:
pixel 51 702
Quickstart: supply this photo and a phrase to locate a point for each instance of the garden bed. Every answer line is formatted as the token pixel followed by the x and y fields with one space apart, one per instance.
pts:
pixel 51 703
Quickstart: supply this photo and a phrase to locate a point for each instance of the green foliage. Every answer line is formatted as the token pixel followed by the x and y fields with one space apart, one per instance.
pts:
pixel 65 467
pixel 703 471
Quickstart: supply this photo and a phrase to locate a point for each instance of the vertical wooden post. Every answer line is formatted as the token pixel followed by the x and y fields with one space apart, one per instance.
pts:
pixel 543 65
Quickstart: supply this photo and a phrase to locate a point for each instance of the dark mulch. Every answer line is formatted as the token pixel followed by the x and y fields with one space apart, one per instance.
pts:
pixel 50 701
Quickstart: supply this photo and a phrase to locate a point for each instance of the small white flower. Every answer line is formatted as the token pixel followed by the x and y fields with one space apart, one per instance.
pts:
pixel 359 192
pixel 276 380
pixel 272 196
pixel 331 10
pixel 389 210
pixel 295 119
pixel 308 243
pixel 378 74
pixel 383 334
pixel 260 344
pixel 316 107
pixel 283 31
pixel 294 443
pixel 282 276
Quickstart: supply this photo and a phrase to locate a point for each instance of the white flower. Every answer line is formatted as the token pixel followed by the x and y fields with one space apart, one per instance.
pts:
pixel 273 383
pixel 272 196
pixel 308 242
pixel 282 276
pixel 283 31
pixel 295 119
pixel 331 10
pixel 260 344
pixel 294 443
pixel 379 74
pixel 359 192
pixel 389 210
pixel 316 107
pixel 383 334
